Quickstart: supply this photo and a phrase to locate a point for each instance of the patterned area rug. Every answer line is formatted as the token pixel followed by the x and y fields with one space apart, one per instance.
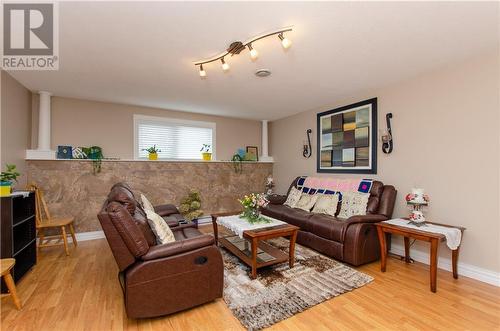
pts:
pixel 280 292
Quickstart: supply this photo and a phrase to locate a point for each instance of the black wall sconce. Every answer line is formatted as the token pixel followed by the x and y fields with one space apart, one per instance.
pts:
pixel 387 141
pixel 307 150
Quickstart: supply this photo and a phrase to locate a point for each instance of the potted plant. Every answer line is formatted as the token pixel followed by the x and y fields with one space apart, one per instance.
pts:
pixel 153 152
pixel 206 152
pixel 6 178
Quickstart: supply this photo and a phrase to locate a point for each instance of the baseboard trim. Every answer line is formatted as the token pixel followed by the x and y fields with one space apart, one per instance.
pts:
pixel 464 269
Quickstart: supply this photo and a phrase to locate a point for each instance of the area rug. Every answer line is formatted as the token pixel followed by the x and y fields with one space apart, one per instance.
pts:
pixel 279 292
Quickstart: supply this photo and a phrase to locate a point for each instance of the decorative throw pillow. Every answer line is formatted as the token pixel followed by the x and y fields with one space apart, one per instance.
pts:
pixel 353 203
pixel 293 197
pixel 306 201
pixel 326 204
pixel 159 227
pixel 146 204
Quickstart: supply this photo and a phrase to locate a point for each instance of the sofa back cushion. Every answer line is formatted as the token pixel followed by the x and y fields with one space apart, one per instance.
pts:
pixel 129 231
pixel 125 197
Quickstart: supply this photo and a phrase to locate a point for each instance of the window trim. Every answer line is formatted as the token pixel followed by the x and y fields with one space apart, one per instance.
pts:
pixel 138 119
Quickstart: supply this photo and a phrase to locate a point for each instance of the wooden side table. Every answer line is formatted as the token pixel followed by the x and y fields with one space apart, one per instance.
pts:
pixel 407 233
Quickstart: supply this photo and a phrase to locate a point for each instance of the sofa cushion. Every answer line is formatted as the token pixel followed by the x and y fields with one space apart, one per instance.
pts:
pixel 306 201
pixel 328 227
pixel 326 204
pixel 275 211
pixel 353 203
pixel 160 228
pixel 146 204
pixel 293 197
pixel 297 217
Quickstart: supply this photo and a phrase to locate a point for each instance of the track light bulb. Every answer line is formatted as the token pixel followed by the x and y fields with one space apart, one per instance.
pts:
pixel 225 66
pixel 203 73
pixel 285 42
pixel 253 52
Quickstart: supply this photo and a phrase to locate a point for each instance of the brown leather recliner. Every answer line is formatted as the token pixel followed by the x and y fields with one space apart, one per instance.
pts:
pixel 159 279
pixel 352 240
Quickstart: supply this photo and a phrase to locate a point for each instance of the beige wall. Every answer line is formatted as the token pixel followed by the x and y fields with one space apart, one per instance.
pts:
pixel 77 122
pixel 16 124
pixel 446 133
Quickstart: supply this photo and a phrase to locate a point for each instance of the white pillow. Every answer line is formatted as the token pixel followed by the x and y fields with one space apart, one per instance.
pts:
pixel 146 204
pixel 293 197
pixel 353 203
pixel 326 204
pixel 159 227
pixel 306 201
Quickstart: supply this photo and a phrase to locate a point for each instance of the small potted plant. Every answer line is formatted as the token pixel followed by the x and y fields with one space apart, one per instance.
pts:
pixel 153 152
pixel 6 178
pixel 206 152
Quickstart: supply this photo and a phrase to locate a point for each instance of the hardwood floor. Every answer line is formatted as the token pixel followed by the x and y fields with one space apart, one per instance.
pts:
pixel 81 292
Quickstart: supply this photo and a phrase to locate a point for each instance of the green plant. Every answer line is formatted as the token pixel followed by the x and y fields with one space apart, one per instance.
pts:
pixel 190 206
pixel 238 167
pixel 95 154
pixel 10 174
pixel 206 148
pixel 152 150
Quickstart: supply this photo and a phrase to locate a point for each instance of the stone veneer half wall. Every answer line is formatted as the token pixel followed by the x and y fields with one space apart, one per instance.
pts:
pixel 71 189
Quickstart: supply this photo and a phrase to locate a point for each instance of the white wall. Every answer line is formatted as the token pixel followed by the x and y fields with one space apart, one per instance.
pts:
pixel 446 140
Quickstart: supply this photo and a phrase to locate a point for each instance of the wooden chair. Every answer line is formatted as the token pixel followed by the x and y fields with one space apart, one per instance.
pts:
pixel 47 222
pixel 5 267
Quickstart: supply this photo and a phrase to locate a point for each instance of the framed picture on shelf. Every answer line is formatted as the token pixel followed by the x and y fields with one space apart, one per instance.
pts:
pixel 252 153
pixel 347 139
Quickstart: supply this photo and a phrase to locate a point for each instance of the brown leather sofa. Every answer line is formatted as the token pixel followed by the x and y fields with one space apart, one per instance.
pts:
pixel 159 279
pixel 352 240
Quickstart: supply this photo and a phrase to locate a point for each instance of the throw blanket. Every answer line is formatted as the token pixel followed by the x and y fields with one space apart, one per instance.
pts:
pixel 237 224
pixel 453 235
pixel 307 183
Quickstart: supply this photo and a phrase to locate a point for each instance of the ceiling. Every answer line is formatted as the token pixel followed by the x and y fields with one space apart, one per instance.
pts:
pixel 141 53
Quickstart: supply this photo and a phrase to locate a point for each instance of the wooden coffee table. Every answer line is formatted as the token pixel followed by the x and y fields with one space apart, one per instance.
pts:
pixel 253 250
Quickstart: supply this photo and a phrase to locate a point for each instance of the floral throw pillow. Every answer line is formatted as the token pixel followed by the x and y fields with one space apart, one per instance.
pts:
pixel 306 201
pixel 160 228
pixel 293 197
pixel 326 204
pixel 146 204
pixel 353 203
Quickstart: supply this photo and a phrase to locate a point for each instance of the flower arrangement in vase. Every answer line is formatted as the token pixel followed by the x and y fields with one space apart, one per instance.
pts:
pixel 251 204
pixel 6 178
pixel 206 152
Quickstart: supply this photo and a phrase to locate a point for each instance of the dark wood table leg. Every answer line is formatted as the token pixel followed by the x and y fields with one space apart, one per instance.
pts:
pixel 216 230
pixel 407 250
pixel 433 263
pixel 255 244
pixel 383 249
pixel 454 260
pixel 291 253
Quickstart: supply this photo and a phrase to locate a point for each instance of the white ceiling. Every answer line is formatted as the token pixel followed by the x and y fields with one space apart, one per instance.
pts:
pixel 141 53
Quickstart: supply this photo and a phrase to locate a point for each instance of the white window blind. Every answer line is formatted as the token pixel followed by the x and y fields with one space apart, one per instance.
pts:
pixel 177 139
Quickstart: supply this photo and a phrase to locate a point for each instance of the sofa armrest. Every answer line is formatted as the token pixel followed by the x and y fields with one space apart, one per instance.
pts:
pixel 372 218
pixel 276 199
pixel 177 247
pixel 166 210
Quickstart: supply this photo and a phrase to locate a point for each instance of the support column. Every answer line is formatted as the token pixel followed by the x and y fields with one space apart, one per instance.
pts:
pixel 265 144
pixel 44 109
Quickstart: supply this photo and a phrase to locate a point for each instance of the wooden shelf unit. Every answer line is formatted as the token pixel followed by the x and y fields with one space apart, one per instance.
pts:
pixel 18 232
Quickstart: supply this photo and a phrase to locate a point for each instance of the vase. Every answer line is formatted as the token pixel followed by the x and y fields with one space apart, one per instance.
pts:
pixel 207 156
pixel 153 156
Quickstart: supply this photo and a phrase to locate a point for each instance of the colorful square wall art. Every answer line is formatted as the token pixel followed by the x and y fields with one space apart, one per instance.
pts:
pixel 348 139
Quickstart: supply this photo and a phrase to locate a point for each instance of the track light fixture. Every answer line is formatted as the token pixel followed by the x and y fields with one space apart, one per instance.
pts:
pixel 237 47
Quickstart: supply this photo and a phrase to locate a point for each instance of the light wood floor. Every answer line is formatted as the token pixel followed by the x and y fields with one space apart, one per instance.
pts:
pixel 81 292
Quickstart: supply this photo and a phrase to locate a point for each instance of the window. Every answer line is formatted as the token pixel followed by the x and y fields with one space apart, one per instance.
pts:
pixel 177 139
